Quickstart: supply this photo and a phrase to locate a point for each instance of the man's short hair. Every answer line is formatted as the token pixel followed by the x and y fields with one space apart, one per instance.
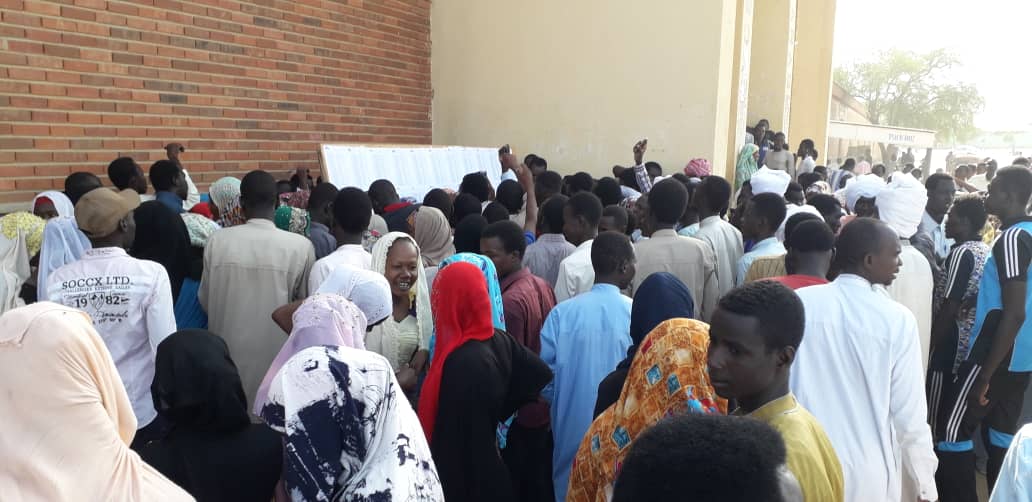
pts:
pixel 464 205
pixel 717 192
pixel 654 166
pixel 580 182
pixel 80 183
pixel 383 191
pixel 477 185
pixel 322 195
pixel 548 183
pixel 934 180
pixel 667 201
pixel 619 216
pixel 257 190
pixel 536 162
pixel 163 174
pixel 1022 161
pixel 608 191
pixel 439 199
pixel 858 239
pixel 609 250
pixel 121 171
pixel 703 458
pixel 777 309
pixel 824 203
pixel 808 179
pixel 770 207
pixel 586 205
pixel 797 219
pixel 510 194
pixel 352 210
pixel 495 211
pixel 811 235
pixel 467 234
pixel 972 208
pixel 509 234
pixel 552 211
pixel 1015 180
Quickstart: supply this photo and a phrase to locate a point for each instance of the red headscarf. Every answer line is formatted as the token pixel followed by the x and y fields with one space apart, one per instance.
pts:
pixel 462 312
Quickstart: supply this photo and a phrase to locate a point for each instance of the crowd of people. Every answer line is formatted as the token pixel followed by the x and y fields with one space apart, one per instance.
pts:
pixel 801 333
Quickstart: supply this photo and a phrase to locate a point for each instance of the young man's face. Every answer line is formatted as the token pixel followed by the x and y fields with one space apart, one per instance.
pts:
pixel 608 223
pixel 940 197
pixel 752 223
pixel 884 264
pixel 505 262
pixel 739 363
pixel 997 200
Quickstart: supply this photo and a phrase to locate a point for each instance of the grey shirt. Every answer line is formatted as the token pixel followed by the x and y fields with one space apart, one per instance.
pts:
pixel 544 256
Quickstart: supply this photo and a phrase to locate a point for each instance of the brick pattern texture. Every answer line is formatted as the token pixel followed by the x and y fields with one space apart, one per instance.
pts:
pixel 243 84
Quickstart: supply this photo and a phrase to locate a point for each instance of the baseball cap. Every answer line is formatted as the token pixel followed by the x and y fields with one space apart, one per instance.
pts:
pixel 99 211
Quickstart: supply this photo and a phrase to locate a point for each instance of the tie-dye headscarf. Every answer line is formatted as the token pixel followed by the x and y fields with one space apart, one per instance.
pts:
pixel 293 220
pixel 225 195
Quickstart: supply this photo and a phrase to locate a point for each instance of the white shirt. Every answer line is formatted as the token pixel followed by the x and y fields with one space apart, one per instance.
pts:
pixel 352 255
pixel 130 302
pixel 726 242
pixel 937 231
pixel 913 289
pixel 806 165
pixel 859 372
pixel 576 275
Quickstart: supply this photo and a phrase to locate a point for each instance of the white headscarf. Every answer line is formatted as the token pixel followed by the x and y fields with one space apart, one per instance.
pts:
pixel 368 290
pixel 63 205
pixel 323 319
pixel 348 430
pixel 386 335
pixel 14 270
pixel 901 205
pixel 867 186
pixel 767 180
pixel 63 243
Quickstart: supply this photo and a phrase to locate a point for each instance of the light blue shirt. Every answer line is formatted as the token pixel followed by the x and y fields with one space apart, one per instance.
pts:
pixel 582 341
pixel 770 246
pixel 689 231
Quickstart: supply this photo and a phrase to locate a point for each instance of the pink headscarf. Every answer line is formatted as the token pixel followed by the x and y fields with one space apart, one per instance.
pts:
pixel 323 319
pixel 862 167
pixel 698 168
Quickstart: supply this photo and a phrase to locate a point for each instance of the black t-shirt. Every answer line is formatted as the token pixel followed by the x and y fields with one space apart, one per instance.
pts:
pixel 1012 253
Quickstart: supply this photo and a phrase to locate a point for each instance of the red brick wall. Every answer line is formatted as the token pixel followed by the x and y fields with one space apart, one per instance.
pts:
pixel 242 84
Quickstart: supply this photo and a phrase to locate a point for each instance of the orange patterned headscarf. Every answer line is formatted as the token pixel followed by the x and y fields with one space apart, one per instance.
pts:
pixel 668 377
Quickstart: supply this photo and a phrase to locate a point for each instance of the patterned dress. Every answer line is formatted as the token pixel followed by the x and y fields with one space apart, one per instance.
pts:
pixel 667 377
pixel 959 281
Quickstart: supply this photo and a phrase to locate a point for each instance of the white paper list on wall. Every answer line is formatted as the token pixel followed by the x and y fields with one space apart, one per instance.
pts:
pixel 414 170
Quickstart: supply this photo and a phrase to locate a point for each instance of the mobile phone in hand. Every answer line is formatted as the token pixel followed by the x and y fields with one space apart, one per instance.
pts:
pixel 505 150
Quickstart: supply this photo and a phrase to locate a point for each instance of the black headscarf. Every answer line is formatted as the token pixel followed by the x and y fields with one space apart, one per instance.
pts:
pixel 467 234
pixel 660 297
pixel 161 236
pixel 196 385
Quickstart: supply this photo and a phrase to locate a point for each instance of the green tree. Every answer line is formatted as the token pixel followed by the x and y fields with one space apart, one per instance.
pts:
pixel 907 89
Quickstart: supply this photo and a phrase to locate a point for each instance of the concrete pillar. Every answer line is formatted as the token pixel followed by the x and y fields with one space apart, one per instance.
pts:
pixel 580 81
pixel 739 84
pixel 812 63
pixel 773 51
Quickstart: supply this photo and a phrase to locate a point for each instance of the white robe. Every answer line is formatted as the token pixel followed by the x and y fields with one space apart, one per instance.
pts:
pixel 913 289
pixel 859 372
